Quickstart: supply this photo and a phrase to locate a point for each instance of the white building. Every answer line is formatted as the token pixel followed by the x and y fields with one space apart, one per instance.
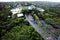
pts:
pixel 40 9
pixel 19 9
pixel 16 11
pixel 29 7
pixel 19 15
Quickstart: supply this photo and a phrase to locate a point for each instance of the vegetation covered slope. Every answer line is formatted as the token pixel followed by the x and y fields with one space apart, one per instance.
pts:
pixel 22 32
pixel 17 28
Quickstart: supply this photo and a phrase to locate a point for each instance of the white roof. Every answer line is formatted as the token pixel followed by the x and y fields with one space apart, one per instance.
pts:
pixel 29 7
pixel 16 10
pixel 9 16
pixel 40 9
pixel 19 15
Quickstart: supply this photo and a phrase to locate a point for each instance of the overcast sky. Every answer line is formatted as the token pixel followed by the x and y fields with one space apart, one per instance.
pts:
pixel 29 0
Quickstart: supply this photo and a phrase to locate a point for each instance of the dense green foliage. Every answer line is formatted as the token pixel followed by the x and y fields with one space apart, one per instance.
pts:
pixel 55 15
pixel 51 15
pixel 15 28
pixel 19 28
pixel 5 21
pixel 22 32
